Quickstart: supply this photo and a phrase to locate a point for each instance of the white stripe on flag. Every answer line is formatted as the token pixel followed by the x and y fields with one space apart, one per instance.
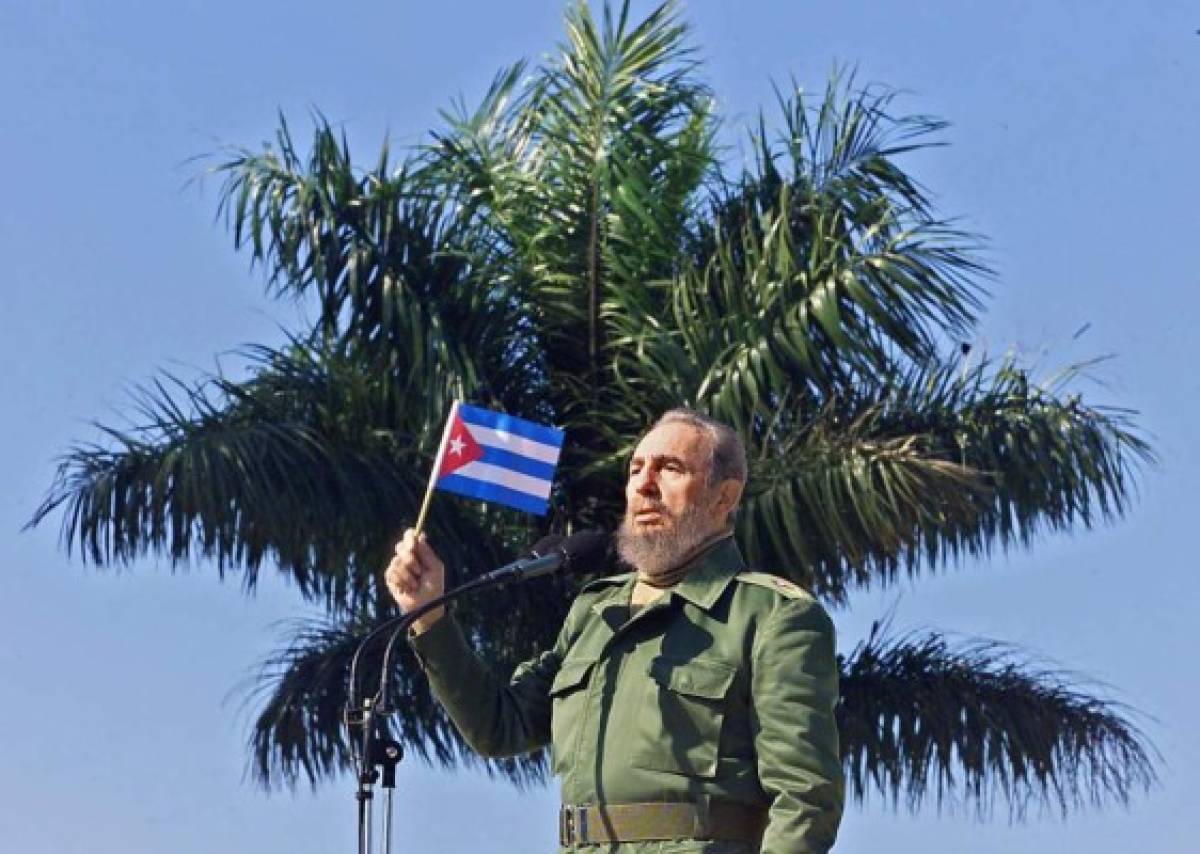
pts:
pixel 489 473
pixel 514 444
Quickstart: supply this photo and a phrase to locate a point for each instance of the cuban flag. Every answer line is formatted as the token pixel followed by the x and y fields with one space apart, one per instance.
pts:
pixel 496 457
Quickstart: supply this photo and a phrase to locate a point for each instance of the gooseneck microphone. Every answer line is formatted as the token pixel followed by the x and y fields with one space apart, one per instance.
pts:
pixel 554 553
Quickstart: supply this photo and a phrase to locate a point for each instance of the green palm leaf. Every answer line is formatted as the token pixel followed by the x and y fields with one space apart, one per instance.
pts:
pixel 920 719
pixel 926 468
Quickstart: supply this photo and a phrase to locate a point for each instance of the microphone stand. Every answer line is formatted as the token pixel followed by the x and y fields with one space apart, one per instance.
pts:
pixel 387 753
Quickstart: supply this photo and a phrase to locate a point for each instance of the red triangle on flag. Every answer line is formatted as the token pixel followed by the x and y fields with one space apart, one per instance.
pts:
pixel 461 448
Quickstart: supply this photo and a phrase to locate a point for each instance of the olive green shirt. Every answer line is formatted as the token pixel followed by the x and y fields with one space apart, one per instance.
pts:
pixel 722 689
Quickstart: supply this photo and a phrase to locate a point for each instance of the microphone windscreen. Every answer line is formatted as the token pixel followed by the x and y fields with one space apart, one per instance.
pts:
pixel 547 544
pixel 586 551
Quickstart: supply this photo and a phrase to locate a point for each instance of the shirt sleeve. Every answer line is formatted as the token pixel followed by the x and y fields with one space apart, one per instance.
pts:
pixel 795 692
pixel 494 717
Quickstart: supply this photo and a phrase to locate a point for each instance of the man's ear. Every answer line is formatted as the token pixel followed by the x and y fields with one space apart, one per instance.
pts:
pixel 729 493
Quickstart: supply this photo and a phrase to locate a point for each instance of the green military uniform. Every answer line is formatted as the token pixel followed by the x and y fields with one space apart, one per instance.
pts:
pixel 719 693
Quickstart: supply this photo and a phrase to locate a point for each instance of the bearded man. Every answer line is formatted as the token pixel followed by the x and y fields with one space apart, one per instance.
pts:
pixel 689 704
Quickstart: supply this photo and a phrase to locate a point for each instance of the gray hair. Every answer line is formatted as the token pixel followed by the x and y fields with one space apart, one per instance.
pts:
pixel 727 459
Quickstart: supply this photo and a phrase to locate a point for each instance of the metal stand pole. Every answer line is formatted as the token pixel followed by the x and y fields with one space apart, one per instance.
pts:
pixel 389 756
pixel 375 753
pixel 387 821
pixel 366 779
pixel 364 821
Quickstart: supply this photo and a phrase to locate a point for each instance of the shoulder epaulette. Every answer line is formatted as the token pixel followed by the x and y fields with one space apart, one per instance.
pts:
pixel 773 582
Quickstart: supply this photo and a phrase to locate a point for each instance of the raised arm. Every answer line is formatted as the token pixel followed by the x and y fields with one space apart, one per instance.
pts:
pixel 495 717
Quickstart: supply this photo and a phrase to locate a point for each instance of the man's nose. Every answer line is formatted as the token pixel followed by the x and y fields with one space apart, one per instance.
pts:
pixel 645 483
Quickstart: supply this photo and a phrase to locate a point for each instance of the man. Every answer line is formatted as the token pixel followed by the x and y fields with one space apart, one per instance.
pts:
pixel 689 705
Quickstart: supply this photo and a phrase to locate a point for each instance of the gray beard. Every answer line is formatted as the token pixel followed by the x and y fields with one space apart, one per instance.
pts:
pixel 656 553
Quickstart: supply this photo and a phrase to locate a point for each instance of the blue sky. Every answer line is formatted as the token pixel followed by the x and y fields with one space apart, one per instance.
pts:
pixel 1072 146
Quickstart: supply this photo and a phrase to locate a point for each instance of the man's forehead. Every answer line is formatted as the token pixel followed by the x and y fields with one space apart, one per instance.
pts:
pixel 674 440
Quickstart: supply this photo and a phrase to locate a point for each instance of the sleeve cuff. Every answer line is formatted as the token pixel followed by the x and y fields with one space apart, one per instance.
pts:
pixel 443 641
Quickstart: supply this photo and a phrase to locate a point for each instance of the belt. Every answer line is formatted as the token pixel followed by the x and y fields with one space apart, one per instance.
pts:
pixel 717 820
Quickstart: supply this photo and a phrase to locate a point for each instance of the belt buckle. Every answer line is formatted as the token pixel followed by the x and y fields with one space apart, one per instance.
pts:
pixel 573 825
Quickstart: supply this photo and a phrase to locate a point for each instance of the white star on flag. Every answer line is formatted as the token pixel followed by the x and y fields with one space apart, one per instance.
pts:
pixel 456 445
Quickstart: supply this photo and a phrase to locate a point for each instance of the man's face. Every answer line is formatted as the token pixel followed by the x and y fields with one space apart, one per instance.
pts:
pixel 670 508
pixel 668 476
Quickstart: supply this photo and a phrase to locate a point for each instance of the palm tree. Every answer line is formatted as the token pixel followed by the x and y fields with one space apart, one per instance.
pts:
pixel 577 250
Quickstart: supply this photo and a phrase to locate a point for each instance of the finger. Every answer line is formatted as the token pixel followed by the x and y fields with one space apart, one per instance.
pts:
pixel 403 574
pixel 406 540
pixel 425 553
pixel 408 556
pixel 392 580
pixel 409 577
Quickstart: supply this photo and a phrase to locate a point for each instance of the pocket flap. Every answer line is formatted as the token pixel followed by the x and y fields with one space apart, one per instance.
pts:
pixel 698 677
pixel 571 675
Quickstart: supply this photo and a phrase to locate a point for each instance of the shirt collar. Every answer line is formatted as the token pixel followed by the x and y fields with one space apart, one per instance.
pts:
pixel 710 572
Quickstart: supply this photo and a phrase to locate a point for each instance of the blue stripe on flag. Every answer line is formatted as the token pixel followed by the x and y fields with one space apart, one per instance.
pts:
pixel 493 492
pixel 517 463
pixel 509 424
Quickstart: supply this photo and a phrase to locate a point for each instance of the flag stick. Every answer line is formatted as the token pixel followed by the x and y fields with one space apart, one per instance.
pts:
pixel 437 466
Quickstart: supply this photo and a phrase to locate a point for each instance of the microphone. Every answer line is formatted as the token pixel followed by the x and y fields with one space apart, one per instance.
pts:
pixel 576 553
pixel 545 545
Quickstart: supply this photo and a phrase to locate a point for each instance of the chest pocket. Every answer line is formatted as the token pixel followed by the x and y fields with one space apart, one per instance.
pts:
pixel 568 708
pixel 679 727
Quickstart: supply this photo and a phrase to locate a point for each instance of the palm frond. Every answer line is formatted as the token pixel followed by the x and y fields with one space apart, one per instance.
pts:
pixel 378 250
pixel 588 171
pixel 243 473
pixel 977 723
pixel 840 505
pixel 300 690
pixel 822 265
pixel 926 468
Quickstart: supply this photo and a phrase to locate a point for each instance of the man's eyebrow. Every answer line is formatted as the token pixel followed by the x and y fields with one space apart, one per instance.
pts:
pixel 659 458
